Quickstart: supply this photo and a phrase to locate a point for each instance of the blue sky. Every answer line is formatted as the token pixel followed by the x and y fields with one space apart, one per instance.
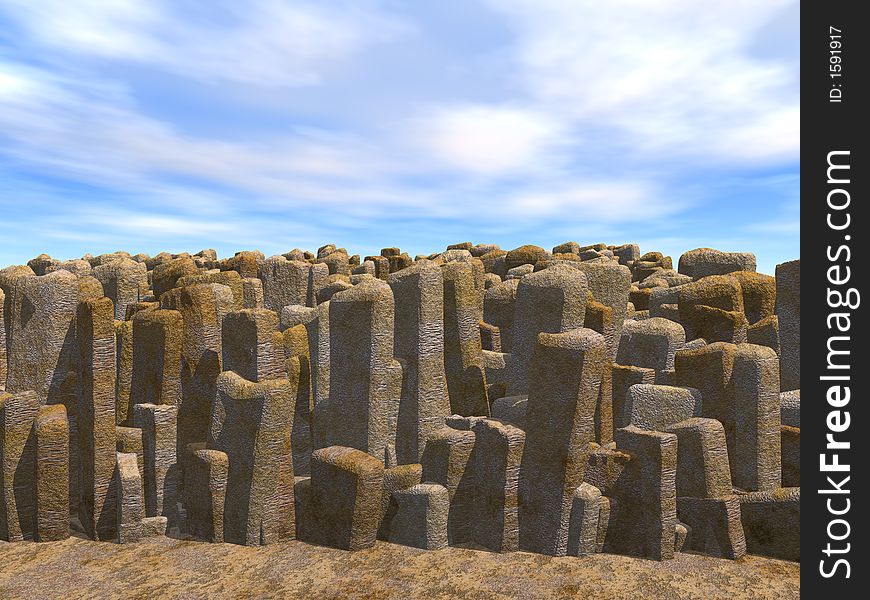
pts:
pixel 181 125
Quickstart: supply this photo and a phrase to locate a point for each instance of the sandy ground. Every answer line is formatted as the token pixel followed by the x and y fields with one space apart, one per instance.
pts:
pixel 169 568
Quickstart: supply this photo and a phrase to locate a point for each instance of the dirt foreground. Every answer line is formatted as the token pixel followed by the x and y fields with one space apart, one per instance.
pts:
pixel 170 568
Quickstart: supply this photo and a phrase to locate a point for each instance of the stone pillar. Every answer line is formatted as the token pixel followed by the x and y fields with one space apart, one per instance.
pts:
pixel 96 416
pixel 124 376
pixel 419 343
pixel 3 341
pixel 316 321
pixel 124 282
pixel 609 284
pixel 160 483
pixel 251 423
pixel 17 470
pixel 499 449
pixel 249 346
pixel 203 308
pixel 41 350
pixel 584 518
pixel 788 312
pixel 205 491
pixel 552 301
pixel 365 380
pixel 51 429
pixel 128 485
pixel 285 282
pixel 345 502
pixel 757 441
pixel 463 353
pixel 157 340
pixel 564 381
pixel 643 510
pixel 296 349
pixel 421 517
pixel 449 459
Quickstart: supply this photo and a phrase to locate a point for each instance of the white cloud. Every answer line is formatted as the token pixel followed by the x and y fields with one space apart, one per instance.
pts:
pixel 488 140
pixel 670 77
pixel 262 42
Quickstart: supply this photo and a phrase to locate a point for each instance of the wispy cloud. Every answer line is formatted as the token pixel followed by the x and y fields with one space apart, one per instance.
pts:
pixel 266 43
pixel 539 121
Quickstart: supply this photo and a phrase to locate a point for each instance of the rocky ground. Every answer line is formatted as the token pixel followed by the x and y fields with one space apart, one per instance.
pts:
pixel 170 568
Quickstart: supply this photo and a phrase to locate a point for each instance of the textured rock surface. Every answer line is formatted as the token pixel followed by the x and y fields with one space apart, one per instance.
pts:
pixel 578 402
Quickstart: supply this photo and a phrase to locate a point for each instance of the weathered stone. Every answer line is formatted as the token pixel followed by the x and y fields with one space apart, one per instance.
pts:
pixel 249 344
pixel 51 429
pixel 449 460
pixel 41 351
pixel 205 490
pixel 252 423
pixel 128 496
pixel 643 513
pixel 650 343
pixel 499 450
pixel 703 262
pixel 715 524
pixel 419 342
pixel 463 359
pixel 157 344
pixel 755 380
pixel 550 301
pixel 499 303
pixel 203 308
pixel 345 504
pixel 18 515
pixel 161 471
pixel 365 380
pixel 421 517
pixel 166 275
pixel 771 521
pixel 790 408
pixel 657 407
pixel 95 330
pixel 702 458
pixel 791 456
pixel 585 511
pixel 124 281
pixel 788 312
pixel 622 378
pixel 564 380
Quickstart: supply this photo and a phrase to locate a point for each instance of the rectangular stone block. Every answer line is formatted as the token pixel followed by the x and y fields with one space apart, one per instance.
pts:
pixel 421 516
pixel 791 456
pixel 128 495
pixel 757 450
pixel 449 460
pixel 158 424
pixel 772 523
pixel 157 341
pixel 585 510
pixel 346 492
pixel 51 429
pixel 564 383
pixel 17 466
pixel 252 423
pixel 715 526
pixel 418 294
pixel 622 378
pixel 249 347
pixel 205 491
pixel 702 459
pixel 643 500
pixel 95 329
pixel 498 452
